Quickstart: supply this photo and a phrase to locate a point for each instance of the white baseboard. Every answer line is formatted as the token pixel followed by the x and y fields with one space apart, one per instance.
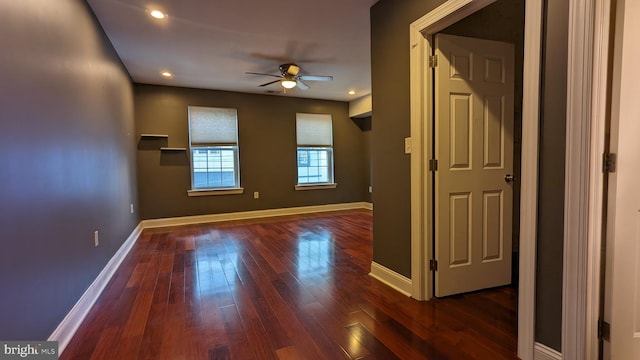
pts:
pixel 67 328
pixel 199 219
pixel 543 352
pixel 391 278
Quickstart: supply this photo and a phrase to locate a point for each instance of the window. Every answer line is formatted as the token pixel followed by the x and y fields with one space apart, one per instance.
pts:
pixel 213 135
pixel 315 150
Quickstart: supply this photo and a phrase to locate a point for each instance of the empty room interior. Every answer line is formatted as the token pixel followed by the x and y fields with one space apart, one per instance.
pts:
pixel 259 180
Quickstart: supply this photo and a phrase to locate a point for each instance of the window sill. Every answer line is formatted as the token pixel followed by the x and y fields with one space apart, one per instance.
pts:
pixel 209 192
pixel 316 186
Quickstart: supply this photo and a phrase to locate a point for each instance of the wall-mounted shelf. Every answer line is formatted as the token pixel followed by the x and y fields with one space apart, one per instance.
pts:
pixel 154 136
pixel 173 149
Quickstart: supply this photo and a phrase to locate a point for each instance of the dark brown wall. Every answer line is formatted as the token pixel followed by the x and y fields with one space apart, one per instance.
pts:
pixel 391 124
pixel 365 125
pixel 68 165
pixel 267 140
pixel 551 177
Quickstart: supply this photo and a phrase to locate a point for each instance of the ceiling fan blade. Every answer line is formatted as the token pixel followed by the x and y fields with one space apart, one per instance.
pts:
pixel 301 85
pixel 269 83
pixel 255 73
pixel 315 77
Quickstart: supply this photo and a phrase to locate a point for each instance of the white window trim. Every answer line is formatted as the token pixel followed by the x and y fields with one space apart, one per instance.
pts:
pixel 209 192
pixel 316 186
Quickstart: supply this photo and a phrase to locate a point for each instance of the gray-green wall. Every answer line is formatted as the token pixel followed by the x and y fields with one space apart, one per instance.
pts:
pixel 267 141
pixel 390 21
pixel 551 176
pixel 391 124
pixel 68 161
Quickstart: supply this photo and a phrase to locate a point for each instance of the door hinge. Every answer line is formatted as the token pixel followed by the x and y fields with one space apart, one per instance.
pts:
pixel 433 165
pixel 433 265
pixel 608 163
pixel 433 61
pixel 604 330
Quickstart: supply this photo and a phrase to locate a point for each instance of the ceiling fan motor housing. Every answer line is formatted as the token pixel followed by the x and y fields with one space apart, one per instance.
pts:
pixel 290 69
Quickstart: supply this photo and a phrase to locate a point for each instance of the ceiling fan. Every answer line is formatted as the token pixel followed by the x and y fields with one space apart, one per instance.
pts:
pixel 290 77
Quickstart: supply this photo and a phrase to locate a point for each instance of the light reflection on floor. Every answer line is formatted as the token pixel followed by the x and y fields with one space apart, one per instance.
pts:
pixel 315 253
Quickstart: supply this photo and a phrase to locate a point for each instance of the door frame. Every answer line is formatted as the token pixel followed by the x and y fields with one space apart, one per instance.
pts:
pixel 586 113
pixel 421 32
pixel 587 76
pixel 421 89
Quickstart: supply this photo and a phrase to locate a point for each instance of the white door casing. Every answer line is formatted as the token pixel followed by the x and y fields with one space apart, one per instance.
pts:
pixel 622 285
pixel 474 84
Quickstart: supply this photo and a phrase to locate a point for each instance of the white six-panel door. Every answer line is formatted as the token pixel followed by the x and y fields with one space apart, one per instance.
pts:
pixel 474 84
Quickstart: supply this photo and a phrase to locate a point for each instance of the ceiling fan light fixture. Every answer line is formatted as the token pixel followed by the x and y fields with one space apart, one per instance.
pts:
pixel 288 83
pixel 157 14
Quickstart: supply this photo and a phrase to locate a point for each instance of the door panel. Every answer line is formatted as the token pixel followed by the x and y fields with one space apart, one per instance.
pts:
pixel 460 253
pixel 493 132
pixel 492 236
pixel 460 130
pixel 474 143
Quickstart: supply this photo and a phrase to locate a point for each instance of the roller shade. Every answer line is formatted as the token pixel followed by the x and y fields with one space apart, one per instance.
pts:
pixel 314 129
pixel 213 126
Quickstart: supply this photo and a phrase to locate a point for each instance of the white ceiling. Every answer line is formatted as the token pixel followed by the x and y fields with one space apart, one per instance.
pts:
pixel 210 44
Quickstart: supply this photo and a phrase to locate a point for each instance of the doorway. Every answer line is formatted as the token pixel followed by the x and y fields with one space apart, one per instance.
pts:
pixel 421 109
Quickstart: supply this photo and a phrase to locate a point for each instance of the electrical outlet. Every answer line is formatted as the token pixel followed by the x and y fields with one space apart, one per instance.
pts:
pixel 407 145
pixel 96 240
pixel 256 195
pixel 131 206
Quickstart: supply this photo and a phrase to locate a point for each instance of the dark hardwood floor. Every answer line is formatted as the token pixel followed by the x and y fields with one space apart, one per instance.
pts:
pixel 281 288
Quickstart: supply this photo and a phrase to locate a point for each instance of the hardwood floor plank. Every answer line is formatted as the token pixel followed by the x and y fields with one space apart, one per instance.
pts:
pixel 376 349
pixel 107 342
pixel 220 352
pixel 154 330
pixel 138 316
pixel 128 348
pixel 294 287
pixel 337 332
pixel 239 345
pixel 289 353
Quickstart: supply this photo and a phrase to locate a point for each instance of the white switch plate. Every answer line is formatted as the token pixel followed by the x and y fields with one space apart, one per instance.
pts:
pixel 96 241
pixel 256 195
pixel 132 208
pixel 407 145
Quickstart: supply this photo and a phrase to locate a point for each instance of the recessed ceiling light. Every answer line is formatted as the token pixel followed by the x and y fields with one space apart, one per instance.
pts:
pixel 166 74
pixel 352 92
pixel 157 14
